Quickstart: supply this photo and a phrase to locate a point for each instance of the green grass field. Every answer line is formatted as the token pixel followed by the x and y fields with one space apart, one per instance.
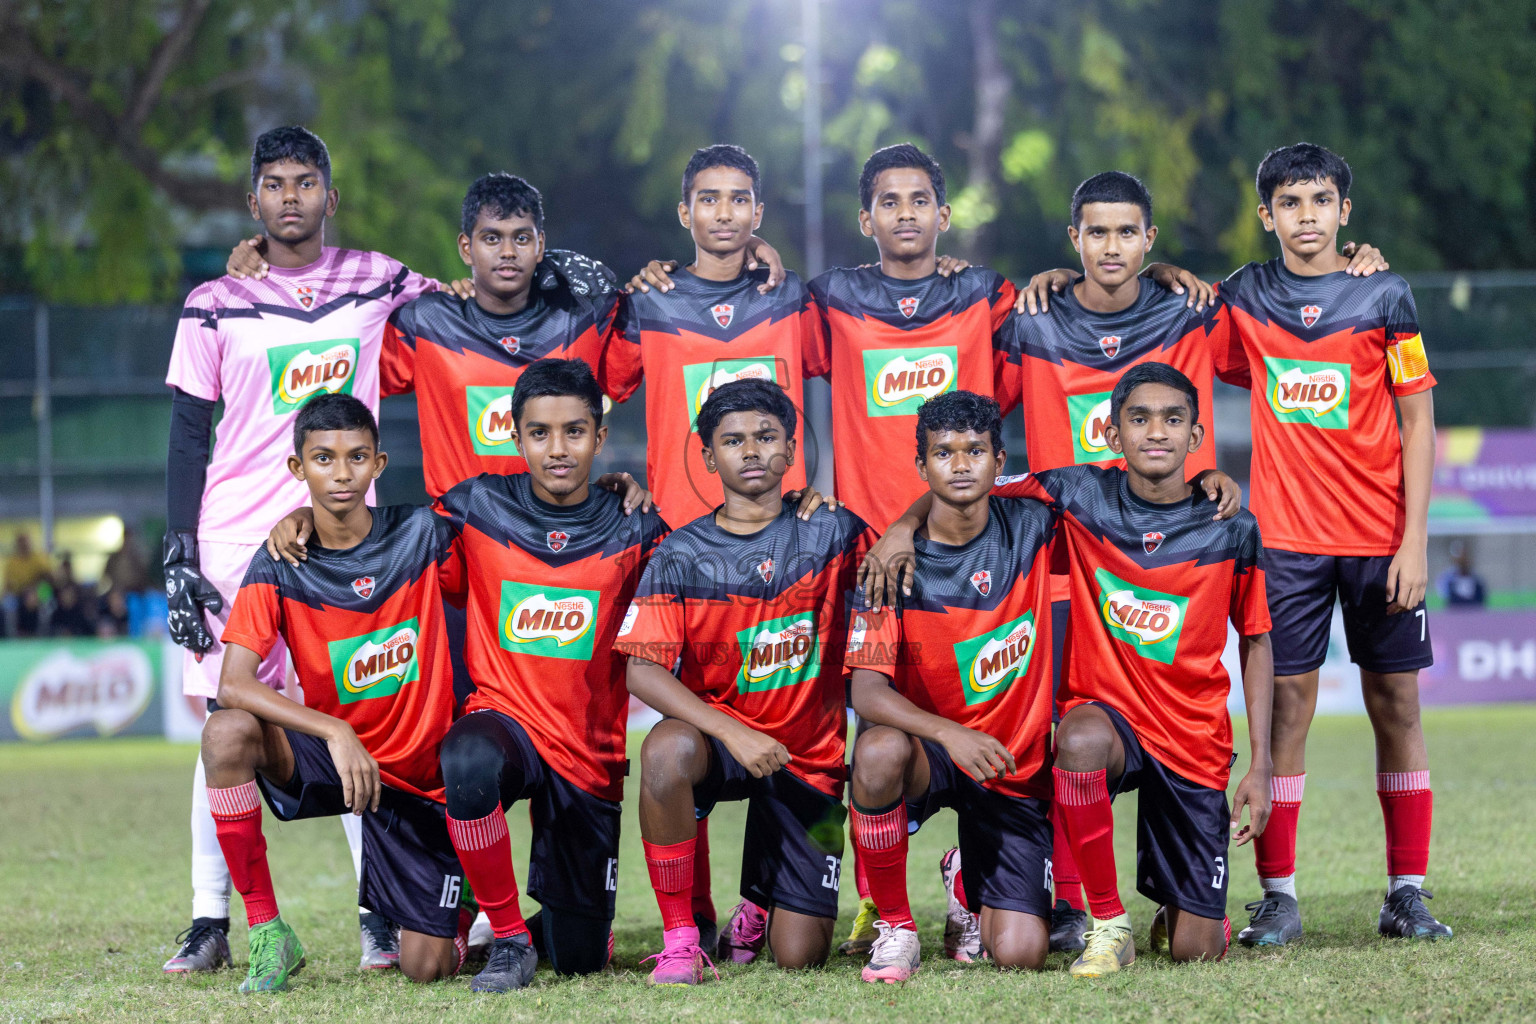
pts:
pixel 93 888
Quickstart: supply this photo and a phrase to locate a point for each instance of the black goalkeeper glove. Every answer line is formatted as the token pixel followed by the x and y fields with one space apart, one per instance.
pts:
pixel 583 276
pixel 187 593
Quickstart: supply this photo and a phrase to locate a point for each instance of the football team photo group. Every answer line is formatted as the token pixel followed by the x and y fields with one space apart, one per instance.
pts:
pixel 1021 637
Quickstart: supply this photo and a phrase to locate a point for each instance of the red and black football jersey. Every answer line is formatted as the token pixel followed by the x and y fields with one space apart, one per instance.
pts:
pixel 548 587
pixel 463 364
pixel 685 343
pixel 973 641
pixel 365 628
pixel 1153 587
pixel 760 623
pixel 1071 358
pixel 887 346
pixel 1325 357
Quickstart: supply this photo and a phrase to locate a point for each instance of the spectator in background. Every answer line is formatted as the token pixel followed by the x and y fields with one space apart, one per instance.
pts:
pixel 1460 585
pixel 71 615
pixel 127 570
pixel 25 571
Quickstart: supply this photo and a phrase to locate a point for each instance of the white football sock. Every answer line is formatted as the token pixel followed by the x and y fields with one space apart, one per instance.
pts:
pixel 1396 882
pixel 1286 885
pixel 352 825
pixel 210 875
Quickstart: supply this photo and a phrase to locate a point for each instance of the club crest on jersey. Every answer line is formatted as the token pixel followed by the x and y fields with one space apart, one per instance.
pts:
pixel 765 570
pixel 511 345
pixel 557 539
pixel 363 585
pixel 306 295
pixel 723 313
pixel 1150 542
pixel 907 305
pixel 982 581
pixel 1110 345
pixel 1310 314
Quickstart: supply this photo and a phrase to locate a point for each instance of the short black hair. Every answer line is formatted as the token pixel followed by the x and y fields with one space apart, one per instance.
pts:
pixel 959 411
pixel 1301 162
pixel 500 195
pixel 290 142
pixel 558 378
pixel 1153 373
pixel 722 155
pixel 1112 187
pixel 332 410
pixel 751 394
pixel 902 154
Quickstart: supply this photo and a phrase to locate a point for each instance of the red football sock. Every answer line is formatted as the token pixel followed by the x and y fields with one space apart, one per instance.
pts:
pixel 1090 821
pixel 1274 852
pixel 237 820
pixel 1069 885
pixel 703 899
pixel 860 879
pixel 485 851
pixel 880 837
pixel 1408 807
pixel 672 870
pixel 960 888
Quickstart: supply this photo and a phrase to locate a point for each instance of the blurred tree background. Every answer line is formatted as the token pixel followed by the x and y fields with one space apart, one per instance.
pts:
pixel 126 125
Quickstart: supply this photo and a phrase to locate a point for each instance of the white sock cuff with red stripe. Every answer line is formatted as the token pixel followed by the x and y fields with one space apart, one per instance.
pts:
pixel 1079 789
pixel 1402 782
pixel 1287 789
pixel 880 831
pixel 478 833
pixel 234 803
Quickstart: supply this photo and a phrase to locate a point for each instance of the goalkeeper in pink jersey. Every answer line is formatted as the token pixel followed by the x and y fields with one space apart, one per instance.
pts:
pixel 312 326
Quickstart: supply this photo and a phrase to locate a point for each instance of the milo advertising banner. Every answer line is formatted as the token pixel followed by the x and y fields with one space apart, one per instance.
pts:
pixel 66 689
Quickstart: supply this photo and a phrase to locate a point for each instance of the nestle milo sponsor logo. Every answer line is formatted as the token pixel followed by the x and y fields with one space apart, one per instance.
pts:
pixel 376 664
pixel 310 368
pixel 780 652
pixel 899 380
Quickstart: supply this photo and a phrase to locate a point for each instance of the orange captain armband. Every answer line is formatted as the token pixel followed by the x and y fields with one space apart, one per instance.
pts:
pixel 1406 360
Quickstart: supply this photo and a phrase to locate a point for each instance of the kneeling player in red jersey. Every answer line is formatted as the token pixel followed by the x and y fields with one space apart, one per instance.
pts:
pixel 955 683
pixel 752 598
pixel 552 563
pixel 363 618
pixel 1154 581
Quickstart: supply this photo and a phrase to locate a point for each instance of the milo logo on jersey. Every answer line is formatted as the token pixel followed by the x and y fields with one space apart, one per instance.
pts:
pixel 1308 392
pixel 490 420
pixel 1147 620
pixel 898 380
pixel 701 379
pixel 375 664
pixel 310 368
pixel 777 653
pixel 553 622
pixel 992 662
pixel 1090 420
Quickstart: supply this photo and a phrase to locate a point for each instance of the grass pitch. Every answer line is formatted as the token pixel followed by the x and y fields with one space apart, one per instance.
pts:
pixel 93 888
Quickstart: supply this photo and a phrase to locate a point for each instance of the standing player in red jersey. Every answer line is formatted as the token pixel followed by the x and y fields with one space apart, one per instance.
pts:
pixel 311 326
pixel 363 619
pixel 751 598
pixel 955 685
pixel 1333 362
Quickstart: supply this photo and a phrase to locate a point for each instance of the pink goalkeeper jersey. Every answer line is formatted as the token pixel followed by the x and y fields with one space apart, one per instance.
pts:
pixel 266 346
